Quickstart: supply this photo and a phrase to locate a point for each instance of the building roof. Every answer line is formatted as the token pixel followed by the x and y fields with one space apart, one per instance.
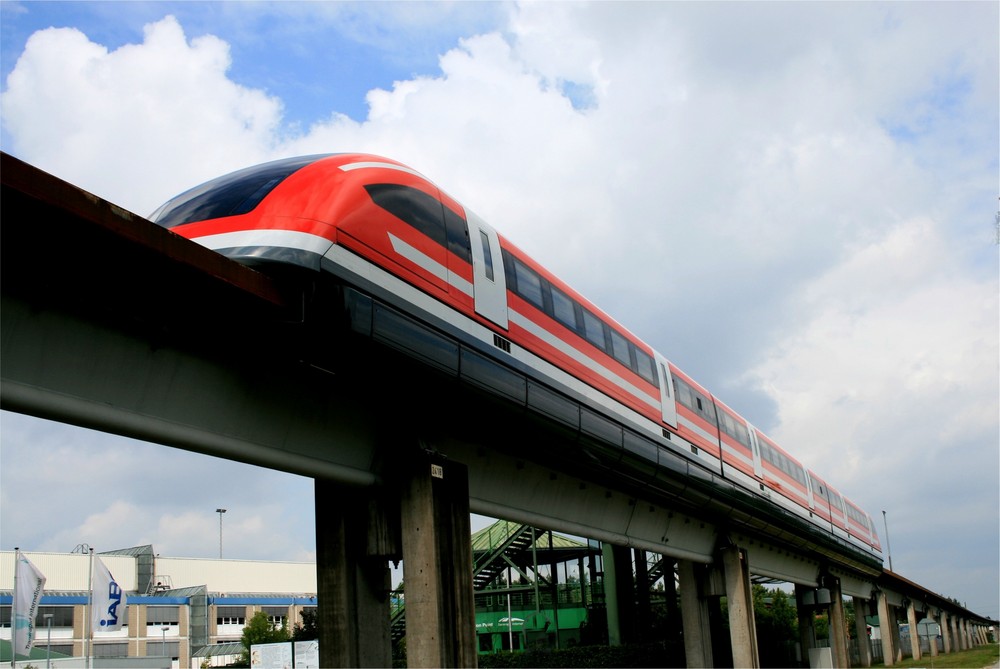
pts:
pixel 213 650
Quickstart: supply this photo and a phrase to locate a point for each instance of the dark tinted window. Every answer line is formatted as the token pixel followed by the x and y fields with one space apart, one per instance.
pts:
pixel 594 330
pixel 734 429
pixel 696 401
pixel 230 195
pixel 563 308
pixel 412 206
pixel 458 235
pixel 529 284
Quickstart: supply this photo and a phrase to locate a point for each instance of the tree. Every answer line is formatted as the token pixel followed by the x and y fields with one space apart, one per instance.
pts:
pixel 260 630
pixel 306 630
pixel 777 625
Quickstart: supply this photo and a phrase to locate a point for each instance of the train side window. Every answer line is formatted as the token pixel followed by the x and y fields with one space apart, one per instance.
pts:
pixel 487 254
pixel 414 207
pixel 683 392
pixel 619 349
pixel 458 235
pixel 646 367
pixel 593 330
pixel 529 284
pixel 563 308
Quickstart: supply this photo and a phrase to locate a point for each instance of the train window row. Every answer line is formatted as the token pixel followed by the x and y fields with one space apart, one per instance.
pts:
pixel 426 214
pixel 734 429
pixel 819 490
pixel 781 461
pixel 695 401
pixel 431 218
pixel 858 517
pixel 537 290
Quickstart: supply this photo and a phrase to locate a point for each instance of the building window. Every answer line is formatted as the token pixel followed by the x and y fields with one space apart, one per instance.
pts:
pixel 62 616
pixel 276 614
pixel 110 650
pixel 231 615
pixel 162 615
pixel 163 648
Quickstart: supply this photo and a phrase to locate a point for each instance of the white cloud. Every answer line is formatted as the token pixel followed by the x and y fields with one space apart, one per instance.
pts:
pixel 896 355
pixel 138 121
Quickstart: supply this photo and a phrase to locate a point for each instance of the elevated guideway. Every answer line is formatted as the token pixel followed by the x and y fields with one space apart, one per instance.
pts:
pixel 113 323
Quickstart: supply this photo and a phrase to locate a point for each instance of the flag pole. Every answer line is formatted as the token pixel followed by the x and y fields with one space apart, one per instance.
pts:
pixel 13 611
pixel 89 622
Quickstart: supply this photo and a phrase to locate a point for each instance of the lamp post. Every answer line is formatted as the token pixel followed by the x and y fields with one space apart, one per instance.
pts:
pixel 220 512
pixel 48 640
pixel 163 640
pixel 888 547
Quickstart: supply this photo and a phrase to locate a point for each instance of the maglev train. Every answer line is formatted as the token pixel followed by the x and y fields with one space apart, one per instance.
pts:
pixel 379 225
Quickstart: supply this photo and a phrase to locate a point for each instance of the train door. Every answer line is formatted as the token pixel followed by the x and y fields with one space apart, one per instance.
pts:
pixel 667 400
pixel 758 468
pixel 489 284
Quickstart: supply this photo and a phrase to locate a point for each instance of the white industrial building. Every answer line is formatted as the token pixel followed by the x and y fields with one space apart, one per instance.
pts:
pixel 190 610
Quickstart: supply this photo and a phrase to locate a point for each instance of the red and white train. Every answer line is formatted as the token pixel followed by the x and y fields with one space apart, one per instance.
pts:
pixel 388 232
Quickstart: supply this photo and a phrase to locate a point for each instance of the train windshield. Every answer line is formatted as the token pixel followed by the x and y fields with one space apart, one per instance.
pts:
pixel 229 195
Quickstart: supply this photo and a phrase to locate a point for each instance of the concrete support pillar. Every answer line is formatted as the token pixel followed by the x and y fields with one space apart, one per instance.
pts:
pixel 911 619
pixel 885 625
pixel 861 631
pixel 742 629
pixel 946 631
pixel 933 637
pixel 694 616
pixel 956 642
pixel 838 625
pixel 963 625
pixel 437 563
pixel 806 615
pixel 352 587
pixel 897 640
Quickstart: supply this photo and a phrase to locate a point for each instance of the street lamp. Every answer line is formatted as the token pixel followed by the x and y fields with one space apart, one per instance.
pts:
pixel 48 641
pixel 220 512
pixel 163 640
pixel 888 548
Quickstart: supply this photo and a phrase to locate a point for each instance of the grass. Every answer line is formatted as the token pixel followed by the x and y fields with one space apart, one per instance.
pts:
pixel 977 658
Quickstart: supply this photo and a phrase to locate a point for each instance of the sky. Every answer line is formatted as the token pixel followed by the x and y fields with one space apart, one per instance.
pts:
pixel 796 203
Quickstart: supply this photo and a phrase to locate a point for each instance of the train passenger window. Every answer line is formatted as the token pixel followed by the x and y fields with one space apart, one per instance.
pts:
pixel 413 207
pixel 487 254
pixel 458 235
pixel 683 392
pixel 593 330
pixel 529 284
pixel 563 308
pixel 619 349
pixel 734 429
pixel 647 369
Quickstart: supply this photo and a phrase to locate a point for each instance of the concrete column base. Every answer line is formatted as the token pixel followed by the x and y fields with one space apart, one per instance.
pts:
pixel 437 563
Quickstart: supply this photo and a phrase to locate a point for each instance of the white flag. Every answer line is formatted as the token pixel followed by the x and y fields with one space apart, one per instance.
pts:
pixel 30 583
pixel 108 609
